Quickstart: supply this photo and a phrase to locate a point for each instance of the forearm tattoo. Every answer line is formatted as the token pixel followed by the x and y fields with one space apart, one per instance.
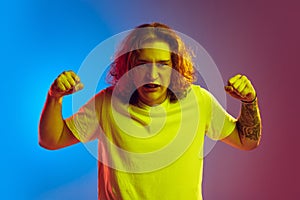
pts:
pixel 249 122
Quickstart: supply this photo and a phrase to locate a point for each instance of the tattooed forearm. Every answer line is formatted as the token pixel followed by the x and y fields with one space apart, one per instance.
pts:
pixel 249 122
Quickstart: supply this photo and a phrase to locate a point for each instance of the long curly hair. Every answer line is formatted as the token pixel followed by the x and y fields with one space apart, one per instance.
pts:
pixel 126 58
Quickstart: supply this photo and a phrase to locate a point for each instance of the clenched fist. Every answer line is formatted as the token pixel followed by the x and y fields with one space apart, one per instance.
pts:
pixel 241 88
pixel 66 83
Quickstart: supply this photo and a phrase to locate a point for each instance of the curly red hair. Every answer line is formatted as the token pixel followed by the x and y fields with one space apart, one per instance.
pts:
pixel 126 57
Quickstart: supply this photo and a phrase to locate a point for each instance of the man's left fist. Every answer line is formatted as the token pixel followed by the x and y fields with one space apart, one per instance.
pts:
pixel 241 88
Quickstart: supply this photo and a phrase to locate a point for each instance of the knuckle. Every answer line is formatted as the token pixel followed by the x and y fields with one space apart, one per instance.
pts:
pixel 61 76
pixel 66 73
pixel 244 78
pixel 71 73
pixel 237 76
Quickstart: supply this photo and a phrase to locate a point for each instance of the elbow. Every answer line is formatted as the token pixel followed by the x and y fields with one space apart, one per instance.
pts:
pixel 250 147
pixel 46 143
pixel 47 146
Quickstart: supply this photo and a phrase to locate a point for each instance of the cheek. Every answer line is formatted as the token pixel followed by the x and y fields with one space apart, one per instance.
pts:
pixel 167 77
pixel 137 78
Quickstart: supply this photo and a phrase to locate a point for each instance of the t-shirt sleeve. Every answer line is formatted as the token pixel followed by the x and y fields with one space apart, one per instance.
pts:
pixel 220 122
pixel 85 123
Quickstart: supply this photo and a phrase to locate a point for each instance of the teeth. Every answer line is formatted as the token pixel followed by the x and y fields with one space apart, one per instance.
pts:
pixel 151 85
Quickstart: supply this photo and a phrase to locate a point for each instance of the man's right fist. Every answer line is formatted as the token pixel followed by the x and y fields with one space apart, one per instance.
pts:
pixel 66 83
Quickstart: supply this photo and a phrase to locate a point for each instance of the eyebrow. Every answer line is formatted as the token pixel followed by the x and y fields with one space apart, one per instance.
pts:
pixel 159 61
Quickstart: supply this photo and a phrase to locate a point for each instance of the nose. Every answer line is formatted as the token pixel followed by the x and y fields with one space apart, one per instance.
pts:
pixel 152 72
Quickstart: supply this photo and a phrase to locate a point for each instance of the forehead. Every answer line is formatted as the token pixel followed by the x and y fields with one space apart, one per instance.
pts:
pixel 157 50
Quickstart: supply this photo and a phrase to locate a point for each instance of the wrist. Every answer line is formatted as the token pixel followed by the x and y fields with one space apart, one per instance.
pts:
pixel 53 97
pixel 250 102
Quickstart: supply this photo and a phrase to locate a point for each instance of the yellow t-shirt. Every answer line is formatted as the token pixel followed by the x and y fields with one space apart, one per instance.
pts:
pixel 148 152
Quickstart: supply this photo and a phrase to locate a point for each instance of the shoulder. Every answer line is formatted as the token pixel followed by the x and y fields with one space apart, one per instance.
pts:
pixel 102 96
pixel 199 91
pixel 105 92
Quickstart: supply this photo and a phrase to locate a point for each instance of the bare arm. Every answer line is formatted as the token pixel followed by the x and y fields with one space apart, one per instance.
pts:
pixel 247 132
pixel 53 132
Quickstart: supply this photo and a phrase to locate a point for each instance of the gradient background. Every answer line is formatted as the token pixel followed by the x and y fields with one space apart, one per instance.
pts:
pixel 41 38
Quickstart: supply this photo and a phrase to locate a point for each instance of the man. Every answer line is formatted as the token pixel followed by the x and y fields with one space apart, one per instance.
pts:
pixel 152 121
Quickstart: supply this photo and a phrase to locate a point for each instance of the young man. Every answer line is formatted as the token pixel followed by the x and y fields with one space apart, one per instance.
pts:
pixel 152 121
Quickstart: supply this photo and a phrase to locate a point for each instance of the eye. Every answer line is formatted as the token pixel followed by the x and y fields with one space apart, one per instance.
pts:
pixel 139 63
pixel 163 64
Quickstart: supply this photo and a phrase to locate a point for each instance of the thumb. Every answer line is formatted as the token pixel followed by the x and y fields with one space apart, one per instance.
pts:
pixel 228 88
pixel 78 87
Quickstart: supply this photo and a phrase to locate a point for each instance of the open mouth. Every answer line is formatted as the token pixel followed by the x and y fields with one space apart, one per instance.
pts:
pixel 151 85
